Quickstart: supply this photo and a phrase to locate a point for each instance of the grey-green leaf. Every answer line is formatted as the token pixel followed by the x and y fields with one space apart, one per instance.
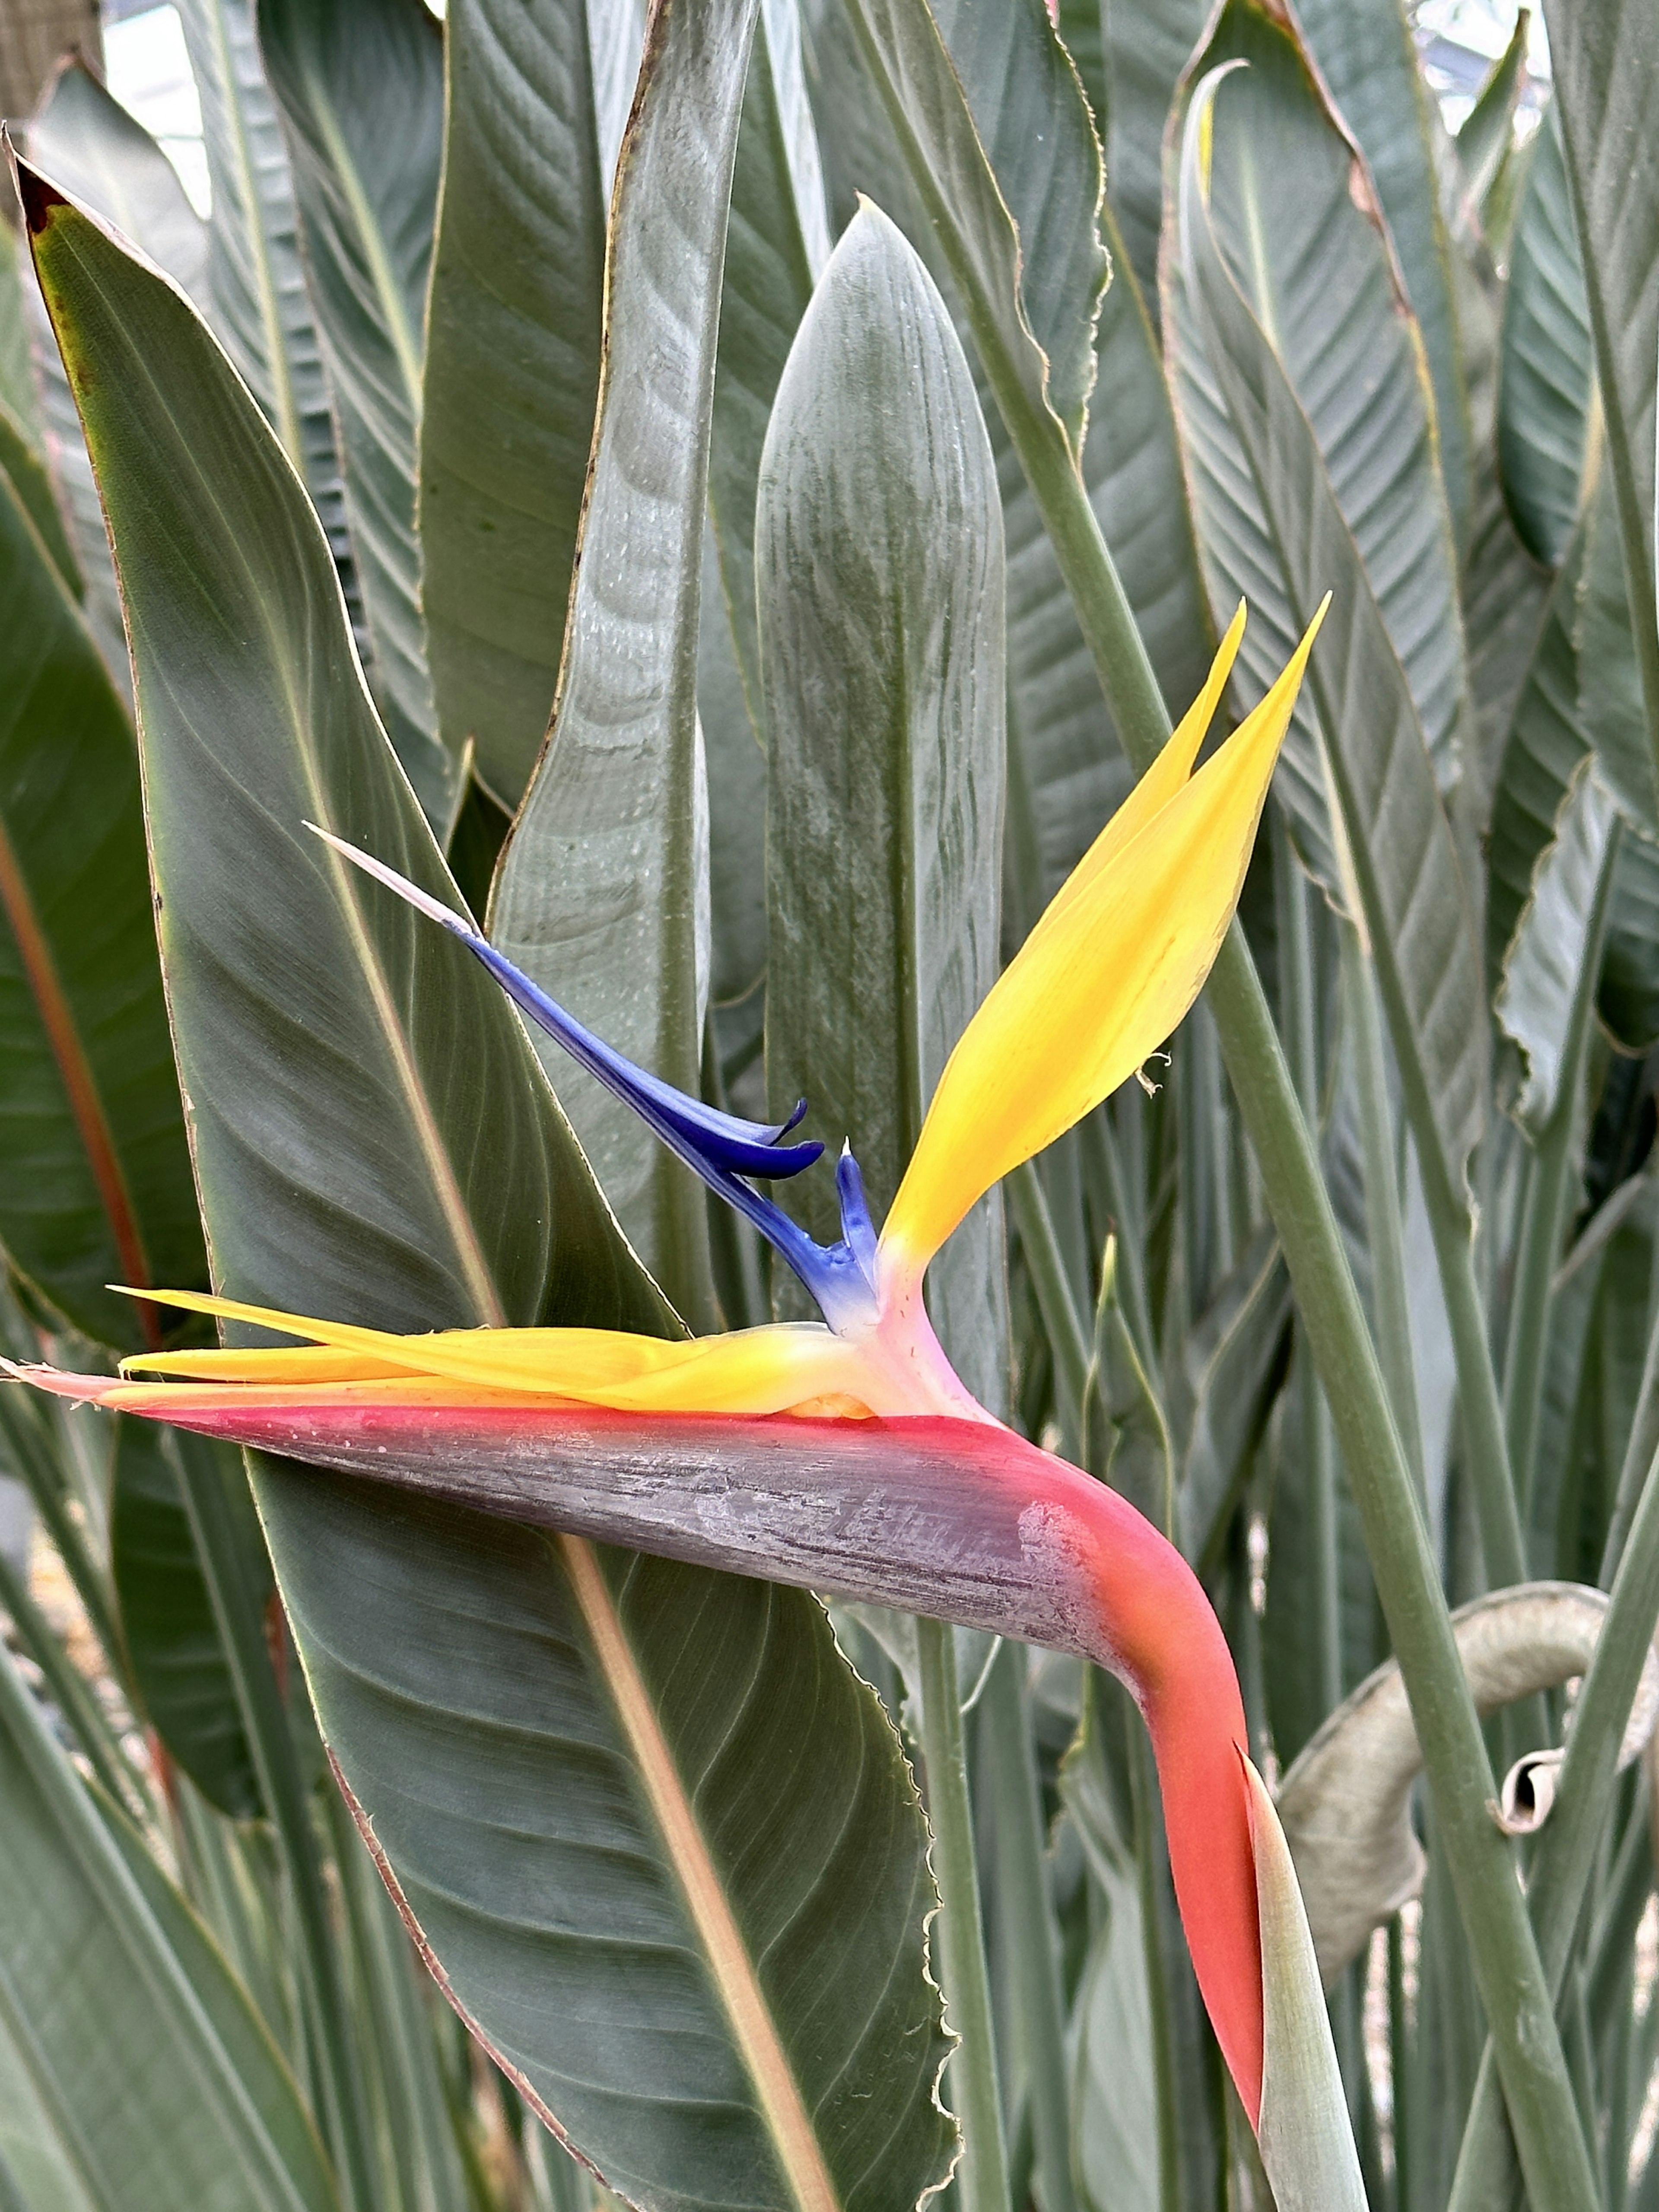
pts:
pixel 256 287
pixel 83 137
pixel 135 2076
pixel 1606 65
pixel 878 550
pixel 602 892
pixel 361 95
pixel 512 371
pixel 1369 60
pixel 1544 392
pixel 1409 882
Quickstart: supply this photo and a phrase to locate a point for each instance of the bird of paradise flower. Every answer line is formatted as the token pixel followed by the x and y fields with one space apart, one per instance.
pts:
pixel 845 1455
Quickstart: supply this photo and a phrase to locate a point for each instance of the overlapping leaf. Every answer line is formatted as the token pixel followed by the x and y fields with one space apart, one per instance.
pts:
pixel 362 99
pixel 1544 398
pixel 512 371
pixel 602 893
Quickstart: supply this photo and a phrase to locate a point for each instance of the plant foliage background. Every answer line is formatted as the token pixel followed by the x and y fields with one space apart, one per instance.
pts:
pixel 828 729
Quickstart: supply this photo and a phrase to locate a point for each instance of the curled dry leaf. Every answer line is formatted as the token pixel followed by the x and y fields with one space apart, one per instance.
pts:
pixel 1345 1803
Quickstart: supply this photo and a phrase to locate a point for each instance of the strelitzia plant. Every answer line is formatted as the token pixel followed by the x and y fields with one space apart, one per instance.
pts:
pixel 862 1414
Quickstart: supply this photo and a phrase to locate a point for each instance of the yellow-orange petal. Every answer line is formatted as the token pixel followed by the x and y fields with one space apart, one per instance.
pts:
pixel 1103 980
pixel 751 1371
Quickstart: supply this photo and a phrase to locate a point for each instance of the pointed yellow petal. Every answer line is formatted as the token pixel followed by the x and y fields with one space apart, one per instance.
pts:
pixel 758 1370
pixel 1166 776
pixel 1096 989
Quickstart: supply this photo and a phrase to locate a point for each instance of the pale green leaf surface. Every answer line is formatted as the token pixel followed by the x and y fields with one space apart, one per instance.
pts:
pixel 602 890
pixel 511 372
pixel 736 802
pixel 415 1173
pixel 1485 136
pixel 361 96
pixel 1544 394
pixel 878 553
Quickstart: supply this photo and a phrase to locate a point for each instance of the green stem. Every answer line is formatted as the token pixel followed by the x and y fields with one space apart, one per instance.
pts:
pixel 1106 1168
pixel 982 2179
pixel 202 1474
pixel 1565 1853
pixel 1508 1969
pixel 1548 1190
pixel 1068 1339
pixel 1390 1301
pixel 1024 1882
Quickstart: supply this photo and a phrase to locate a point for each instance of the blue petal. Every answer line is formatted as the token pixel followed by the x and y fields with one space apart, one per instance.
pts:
pixel 719 1147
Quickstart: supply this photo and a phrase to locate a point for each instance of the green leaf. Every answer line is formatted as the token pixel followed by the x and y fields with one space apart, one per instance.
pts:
pixel 944 141
pixel 1296 219
pixel 135 2076
pixel 512 371
pixel 1410 883
pixel 1504 592
pixel 777 241
pixel 1126 1433
pixel 1546 744
pixel 1148 47
pixel 736 801
pixel 373 1137
pixel 83 137
pixel 638 2059
pixel 1610 707
pixel 878 555
pixel 257 298
pixel 1542 967
pixel 361 94
pixel 602 894
pixel 1544 395
pixel 1629 999
pixel 1028 109
pixel 1231 1368
pixel 178 1662
pixel 94 1174
pixel 1486 134
pixel 1605 63
pixel 1368 58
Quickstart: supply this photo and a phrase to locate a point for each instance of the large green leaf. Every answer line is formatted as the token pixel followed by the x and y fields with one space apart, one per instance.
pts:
pixel 135 2076
pixel 1606 65
pixel 256 285
pixel 1369 60
pixel 512 371
pixel 172 1641
pixel 777 241
pixel 1610 704
pixel 878 550
pixel 94 1174
pixel 375 1137
pixel 1296 216
pixel 1544 397
pixel 361 93
pixel 1416 907
pixel 602 894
